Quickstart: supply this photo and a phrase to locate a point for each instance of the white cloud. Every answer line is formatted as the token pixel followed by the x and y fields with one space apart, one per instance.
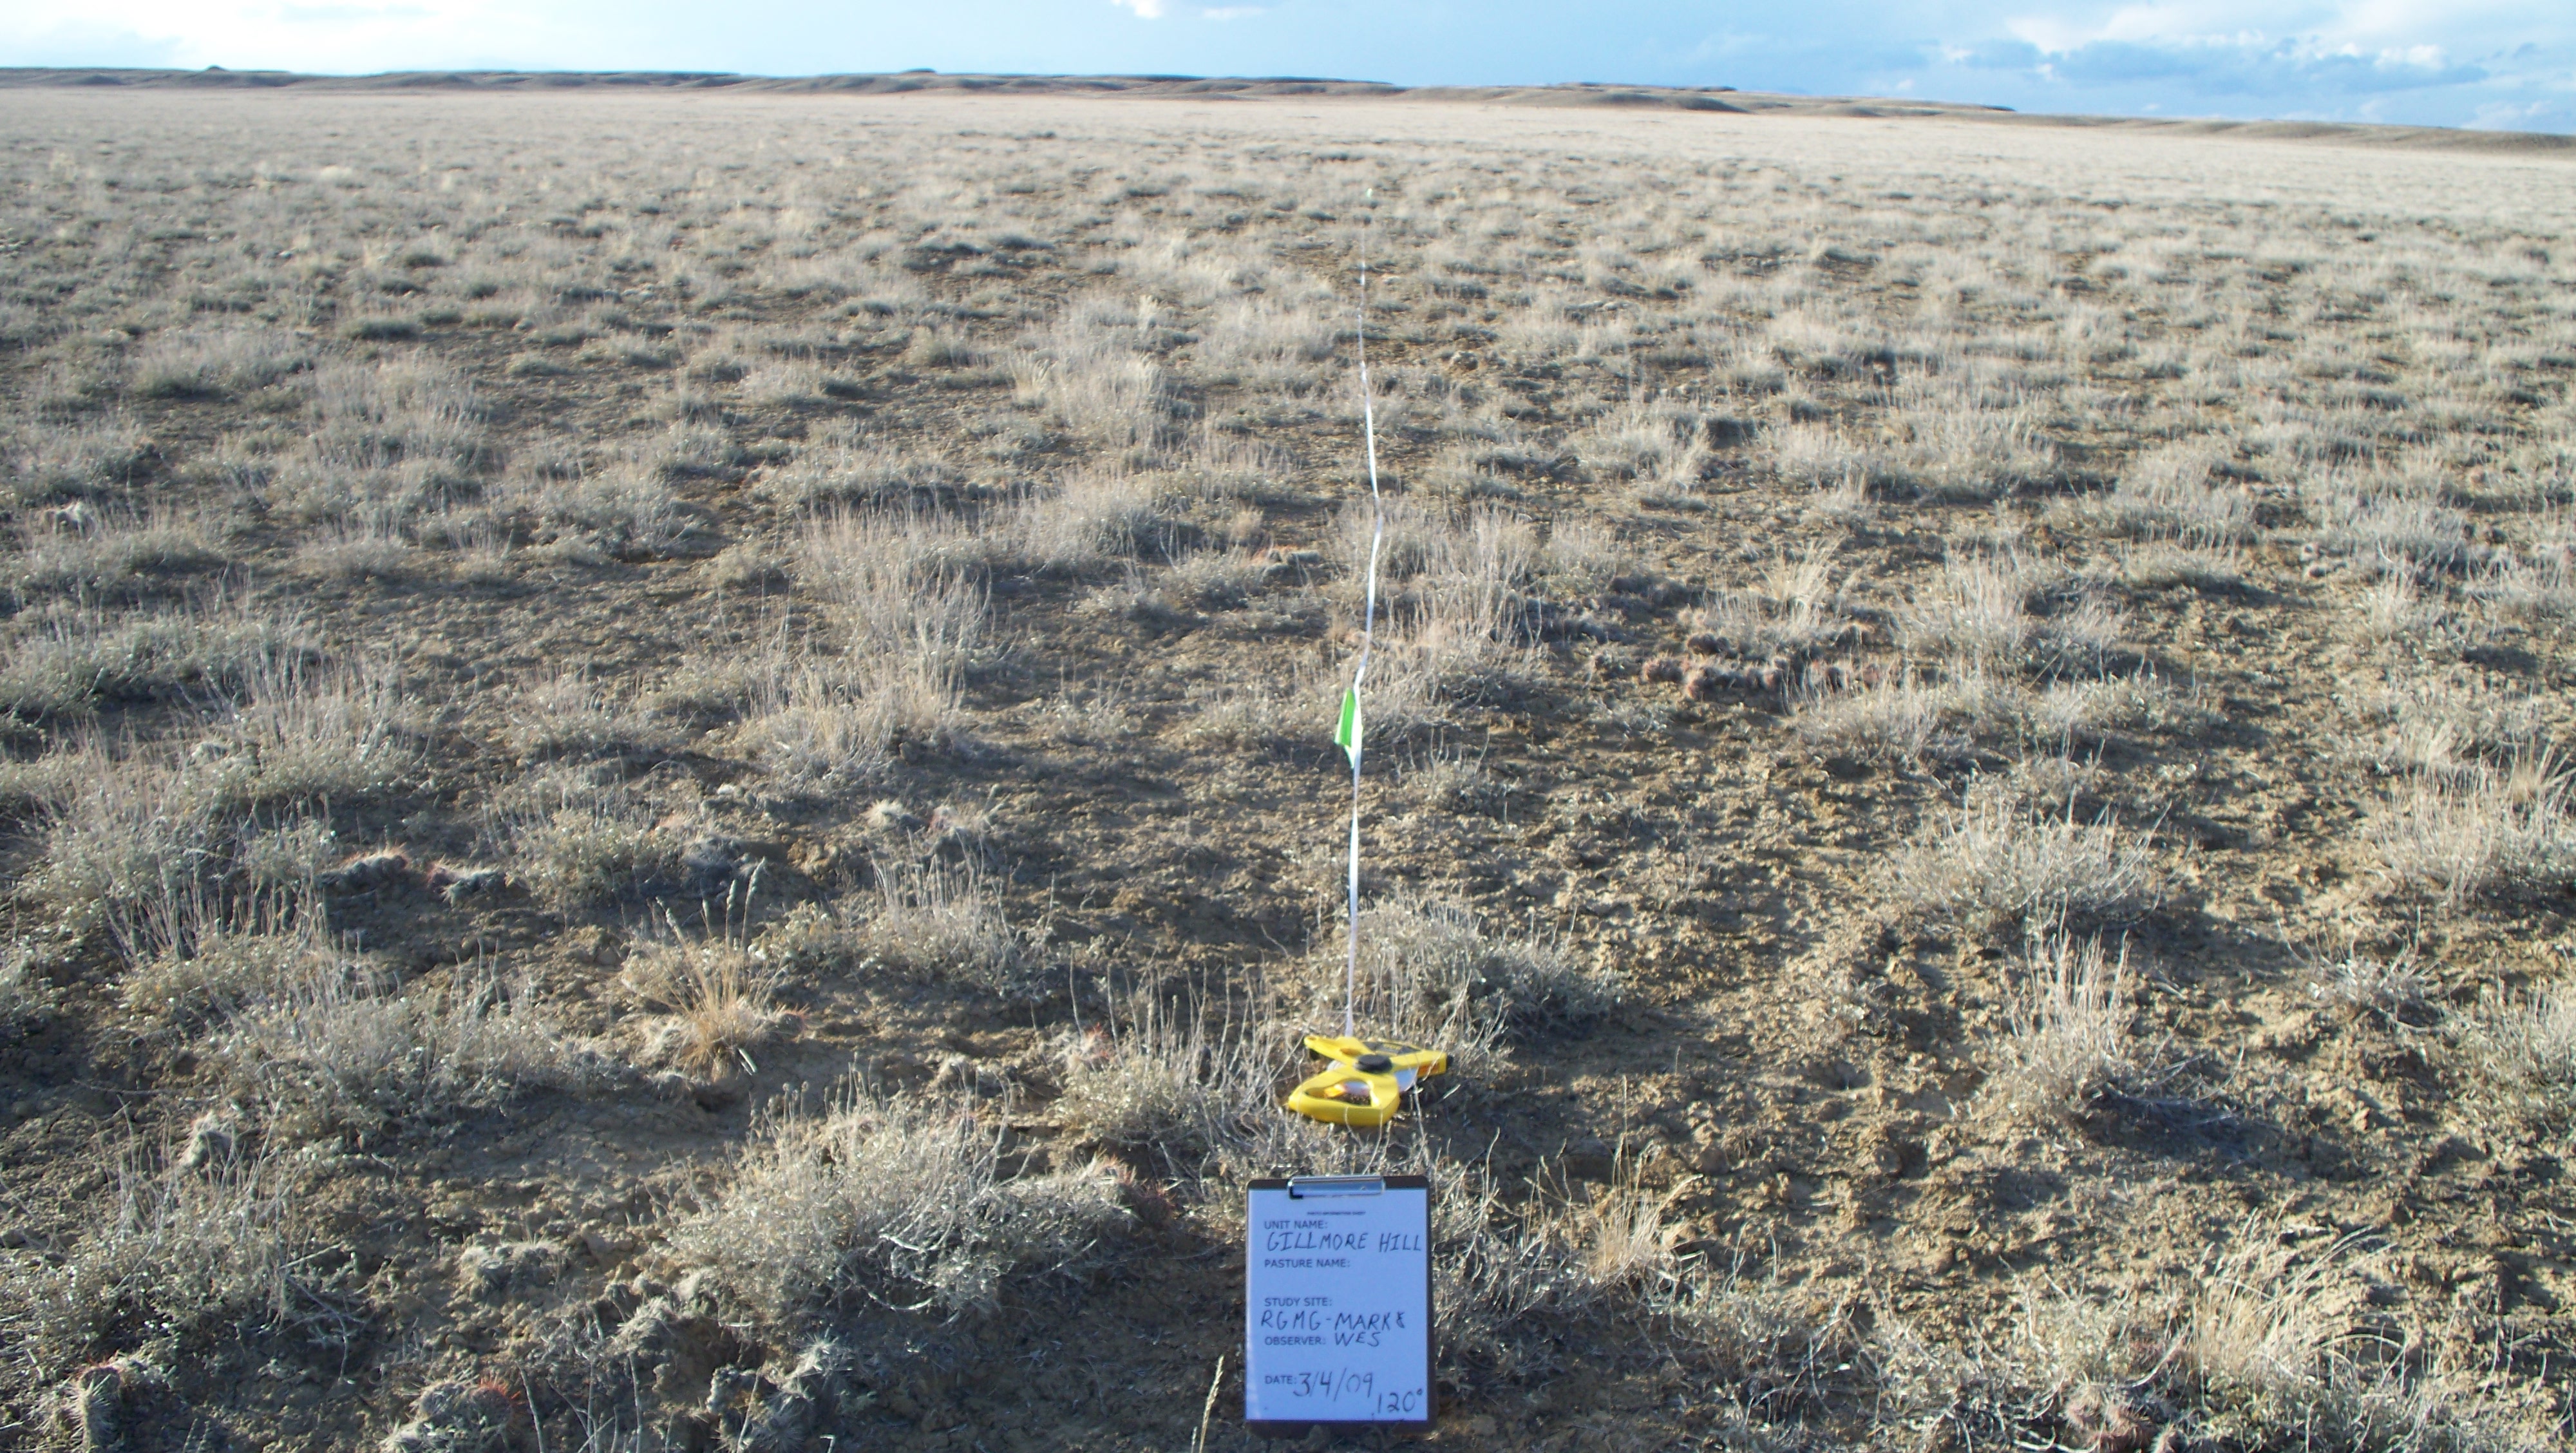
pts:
pixel 2372 25
pixel 1145 9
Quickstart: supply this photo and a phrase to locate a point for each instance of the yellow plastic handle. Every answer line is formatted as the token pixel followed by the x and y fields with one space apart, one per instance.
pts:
pixel 1363 1080
pixel 1400 1056
pixel 1342 1095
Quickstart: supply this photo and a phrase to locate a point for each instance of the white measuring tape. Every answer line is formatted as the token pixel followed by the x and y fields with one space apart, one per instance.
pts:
pixel 1346 734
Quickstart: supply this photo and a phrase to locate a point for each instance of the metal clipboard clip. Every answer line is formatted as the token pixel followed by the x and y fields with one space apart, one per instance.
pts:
pixel 1305 1187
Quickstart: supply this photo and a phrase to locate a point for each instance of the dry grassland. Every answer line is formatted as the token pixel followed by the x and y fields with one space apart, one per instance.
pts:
pixel 667 779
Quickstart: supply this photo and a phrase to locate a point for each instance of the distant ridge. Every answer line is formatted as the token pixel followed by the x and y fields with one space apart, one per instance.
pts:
pixel 1715 99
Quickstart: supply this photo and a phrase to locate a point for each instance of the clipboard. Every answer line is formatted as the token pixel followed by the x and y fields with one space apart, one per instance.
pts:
pixel 1338 1323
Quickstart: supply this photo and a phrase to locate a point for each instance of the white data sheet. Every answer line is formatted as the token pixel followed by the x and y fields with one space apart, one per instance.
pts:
pixel 1337 1304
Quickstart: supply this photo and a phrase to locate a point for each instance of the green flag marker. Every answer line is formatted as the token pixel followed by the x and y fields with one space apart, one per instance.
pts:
pixel 1346 735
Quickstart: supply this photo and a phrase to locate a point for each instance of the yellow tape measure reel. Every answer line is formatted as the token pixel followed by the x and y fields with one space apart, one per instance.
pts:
pixel 1363 1080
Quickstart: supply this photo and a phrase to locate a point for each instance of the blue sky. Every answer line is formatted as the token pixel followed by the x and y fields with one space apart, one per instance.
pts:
pixel 2496 63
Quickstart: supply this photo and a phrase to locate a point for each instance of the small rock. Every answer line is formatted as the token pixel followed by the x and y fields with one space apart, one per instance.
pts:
pixel 367 872
pixel 456 881
pixel 493 1273
pixel 711 862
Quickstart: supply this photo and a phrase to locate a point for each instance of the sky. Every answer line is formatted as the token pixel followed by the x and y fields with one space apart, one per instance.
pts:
pixel 2506 64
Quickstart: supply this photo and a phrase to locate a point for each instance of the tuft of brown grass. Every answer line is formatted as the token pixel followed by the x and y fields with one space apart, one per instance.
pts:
pixel 716 991
pixel 2069 1017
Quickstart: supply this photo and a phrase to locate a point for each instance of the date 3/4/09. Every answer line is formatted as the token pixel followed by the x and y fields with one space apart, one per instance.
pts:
pixel 1345 1385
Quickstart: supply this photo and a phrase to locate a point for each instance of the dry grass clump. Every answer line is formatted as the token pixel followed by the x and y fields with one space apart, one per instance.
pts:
pixel 212 363
pixel 2069 1017
pixel 1457 628
pixel 2524 1050
pixel 1429 973
pixel 1978 610
pixel 2162 564
pixel 945 920
pixel 2354 984
pixel 716 992
pixel 1658 440
pixel 109 551
pixel 384 443
pixel 847 471
pixel 1626 1242
pixel 1220 468
pixel 2525 590
pixel 1969 453
pixel 2274 1344
pixel 1794 611
pixel 125 830
pixel 2172 493
pixel 308 733
pixel 1086 376
pixel 1891 716
pixel 1998 861
pixel 2283 1349
pixel 1215 579
pixel 568 713
pixel 1454 782
pixel 2088 711
pixel 2479 829
pixel 339 1045
pixel 1163 1079
pixel 2395 531
pixel 1267 345
pixel 1825 458
pixel 575 845
pixel 809 723
pixel 1490 1275
pixel 77 461
pixel 1511 1278
pixel 1581 557
pixel 1092 516
pixel 199 954
pixel 65 659
pixel 626 509
pixel 904 625
pixel 369 545
pixel 2452 724
pixel 190 1243
pixel 899 1202
pixel 1893 719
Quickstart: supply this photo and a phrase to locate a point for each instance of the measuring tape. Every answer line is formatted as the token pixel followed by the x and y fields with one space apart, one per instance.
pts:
pixel 1363 1080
